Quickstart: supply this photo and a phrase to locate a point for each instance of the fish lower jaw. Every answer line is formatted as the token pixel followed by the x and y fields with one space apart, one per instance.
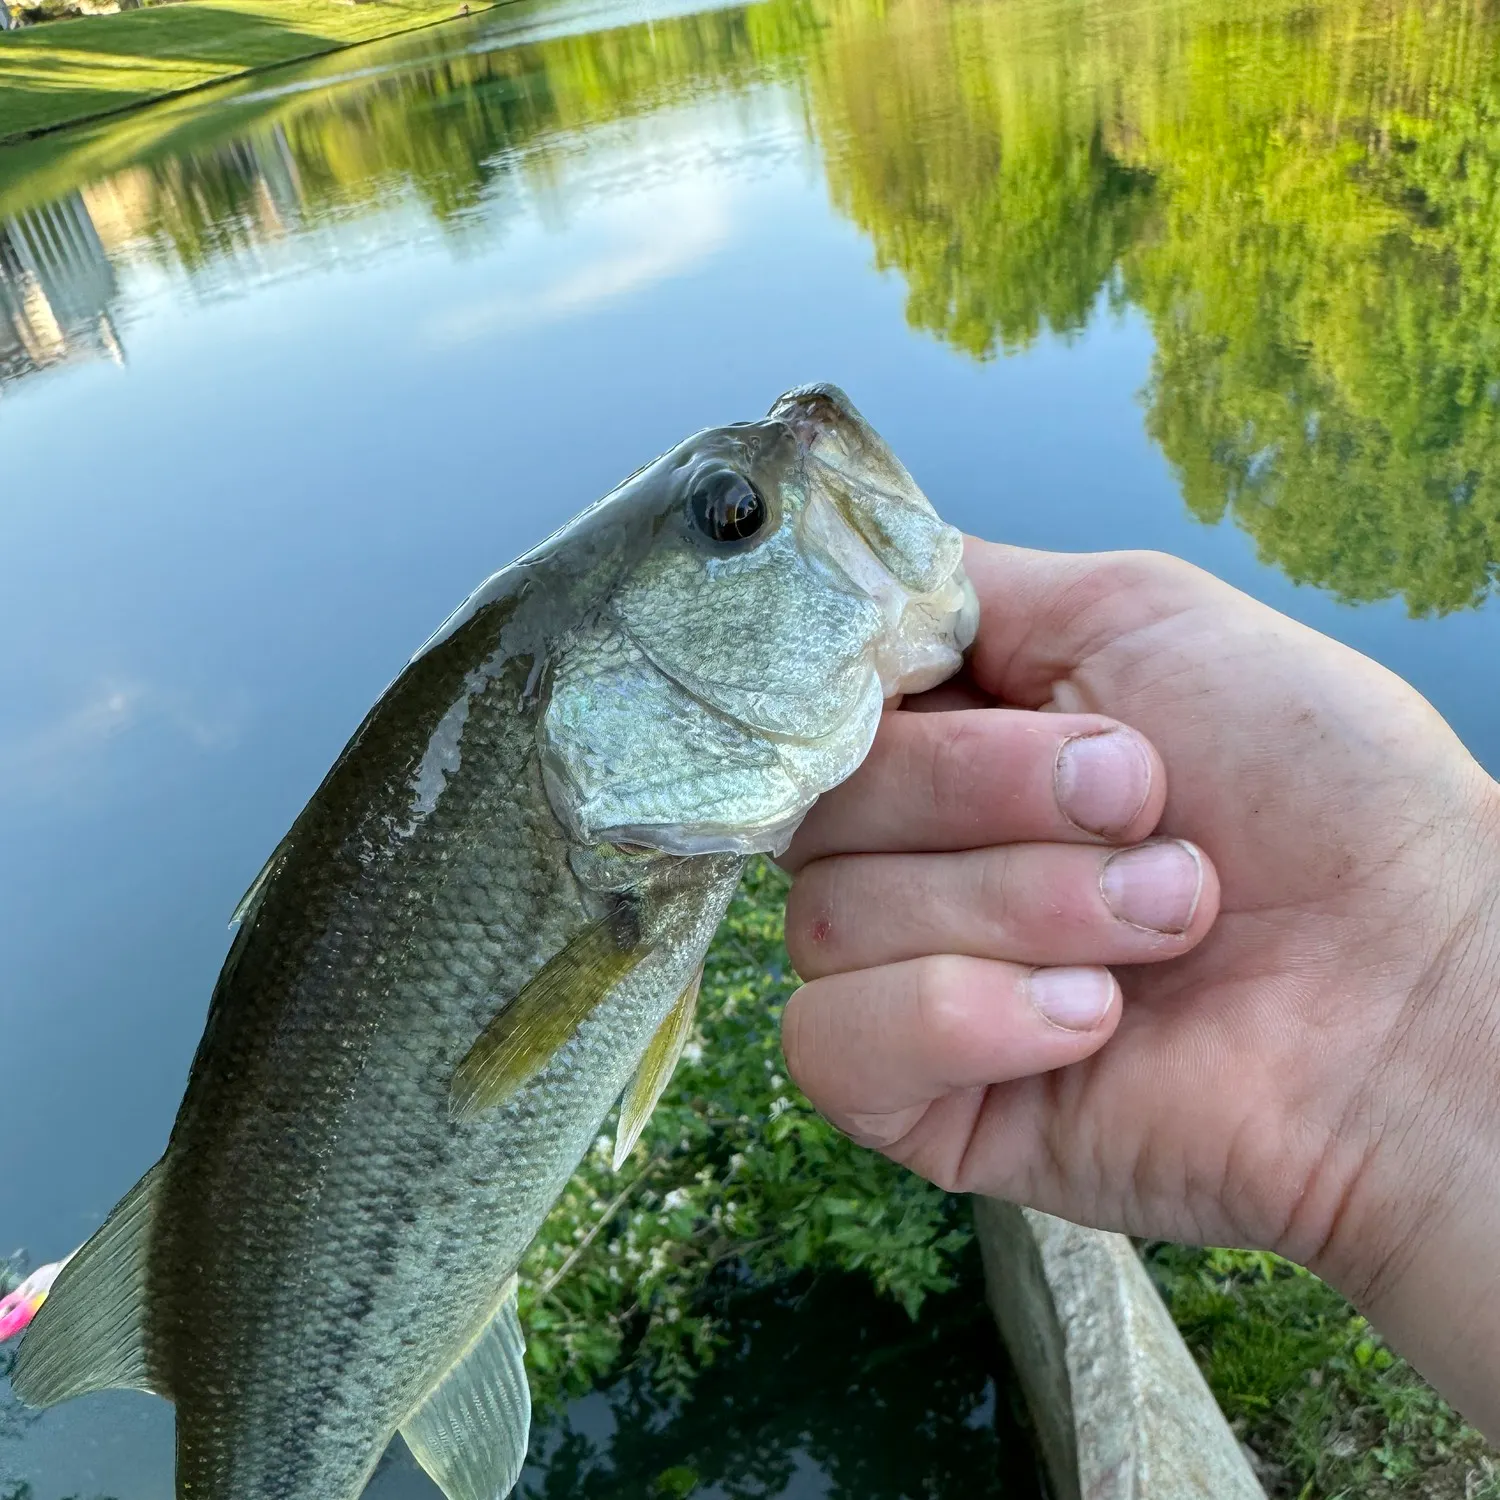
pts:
pixel 927 644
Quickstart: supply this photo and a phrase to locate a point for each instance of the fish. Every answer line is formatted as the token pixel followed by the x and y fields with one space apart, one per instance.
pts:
pixel 486 927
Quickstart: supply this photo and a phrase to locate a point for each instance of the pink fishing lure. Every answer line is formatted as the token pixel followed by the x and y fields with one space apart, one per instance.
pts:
pixel 18 1308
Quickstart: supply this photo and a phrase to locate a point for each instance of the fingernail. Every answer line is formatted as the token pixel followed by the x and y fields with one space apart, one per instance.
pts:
pixel 1156 886
pixel 1102 780
pixel 1076 999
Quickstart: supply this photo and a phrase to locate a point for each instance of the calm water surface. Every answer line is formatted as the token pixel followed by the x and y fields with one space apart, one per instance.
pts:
pixel 284 370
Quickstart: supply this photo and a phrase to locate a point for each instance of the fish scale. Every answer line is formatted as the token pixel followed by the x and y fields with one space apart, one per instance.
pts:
pixel 376 1257
pixel 502 904
pixel 487 920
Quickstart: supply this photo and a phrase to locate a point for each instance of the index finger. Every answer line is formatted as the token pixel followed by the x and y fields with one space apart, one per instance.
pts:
pixel 983 776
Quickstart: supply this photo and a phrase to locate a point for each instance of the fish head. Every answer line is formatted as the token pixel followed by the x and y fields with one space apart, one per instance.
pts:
pixel 784 578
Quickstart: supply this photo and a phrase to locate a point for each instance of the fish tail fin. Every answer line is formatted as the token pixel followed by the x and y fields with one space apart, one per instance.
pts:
pixel 471 1431
pixel 90 1333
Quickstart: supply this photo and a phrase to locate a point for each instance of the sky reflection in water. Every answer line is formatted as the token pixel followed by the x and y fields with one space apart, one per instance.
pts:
pixel 285 369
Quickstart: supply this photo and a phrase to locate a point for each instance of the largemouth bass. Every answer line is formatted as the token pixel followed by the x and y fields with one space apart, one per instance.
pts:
pixel 487 926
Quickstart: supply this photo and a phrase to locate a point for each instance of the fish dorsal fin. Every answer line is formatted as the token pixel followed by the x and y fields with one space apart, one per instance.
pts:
pixel 554 1003
pixel 244 913
pixel 656 1069
pixel 470 1433
pixel 90 1333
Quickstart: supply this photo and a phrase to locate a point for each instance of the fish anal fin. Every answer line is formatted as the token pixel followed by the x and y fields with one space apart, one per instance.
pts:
pixel 471 1431
pixel 90 1333
pixel 554 1003
pixel 658 1064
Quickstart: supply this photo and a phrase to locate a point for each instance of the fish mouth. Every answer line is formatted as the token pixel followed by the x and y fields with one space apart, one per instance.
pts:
pixel 866 518
pixel 810 410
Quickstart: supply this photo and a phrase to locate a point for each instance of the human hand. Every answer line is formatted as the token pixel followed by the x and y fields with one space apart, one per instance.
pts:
pixel 1315 1072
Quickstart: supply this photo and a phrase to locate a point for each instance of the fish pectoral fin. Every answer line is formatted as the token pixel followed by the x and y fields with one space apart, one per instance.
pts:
pixel 470 1434
pixel 656 1069
pixel 90 1333
pixel 554 1003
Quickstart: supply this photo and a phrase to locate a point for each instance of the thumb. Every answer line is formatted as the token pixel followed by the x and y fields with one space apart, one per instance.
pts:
pixel 1043 616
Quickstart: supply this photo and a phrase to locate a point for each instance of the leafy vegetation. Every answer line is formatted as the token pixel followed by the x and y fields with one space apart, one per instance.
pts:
pixel 740 1204
pixel 649 1271
pixel 1312 1387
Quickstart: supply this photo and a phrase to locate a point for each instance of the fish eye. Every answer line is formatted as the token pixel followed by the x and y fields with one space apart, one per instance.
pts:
pixel 726 507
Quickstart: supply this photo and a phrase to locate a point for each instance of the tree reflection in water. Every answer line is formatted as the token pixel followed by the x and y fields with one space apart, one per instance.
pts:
pixel 1302 199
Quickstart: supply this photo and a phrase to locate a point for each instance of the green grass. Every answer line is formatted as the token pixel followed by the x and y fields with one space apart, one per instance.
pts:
pixel 1313 1389
pixel 66 71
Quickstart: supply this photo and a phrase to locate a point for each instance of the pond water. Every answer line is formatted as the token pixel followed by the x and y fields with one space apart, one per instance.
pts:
pixel 287 367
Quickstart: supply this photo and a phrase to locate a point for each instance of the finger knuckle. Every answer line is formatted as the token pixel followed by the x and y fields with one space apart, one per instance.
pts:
pixel 958 764
pixel 995 894
pixel 942 991
pixel 1143 568
pixel 1151 579
pixel 944 1168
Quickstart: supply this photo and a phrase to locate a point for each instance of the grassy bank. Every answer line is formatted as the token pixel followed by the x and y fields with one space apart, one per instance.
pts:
pixel 1329 1410
pixel 68 71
